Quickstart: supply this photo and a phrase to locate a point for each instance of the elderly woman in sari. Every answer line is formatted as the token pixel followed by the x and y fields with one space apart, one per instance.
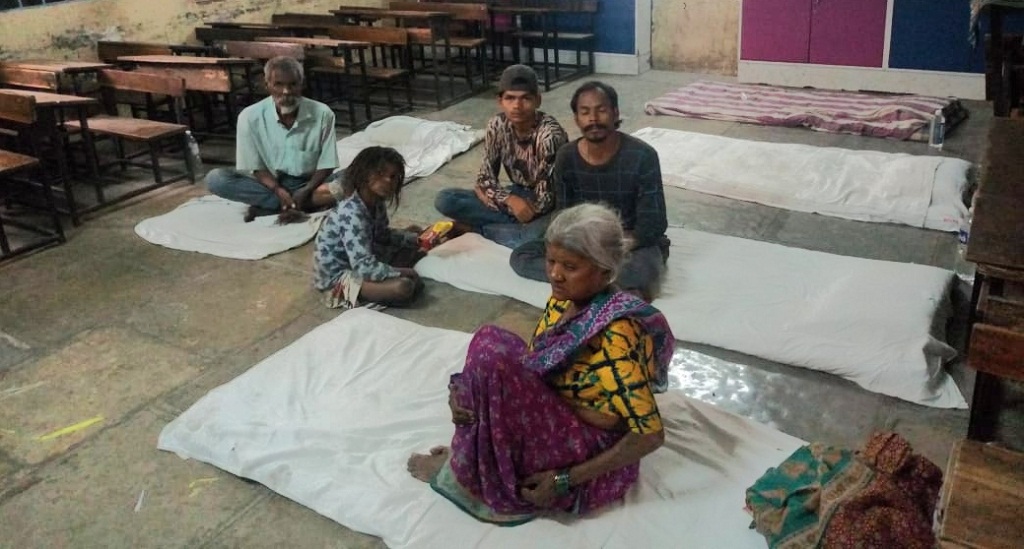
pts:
pixel 560 423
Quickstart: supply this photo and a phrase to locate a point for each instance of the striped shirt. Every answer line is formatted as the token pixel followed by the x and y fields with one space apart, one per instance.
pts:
pixel 629 183
pixel 528 162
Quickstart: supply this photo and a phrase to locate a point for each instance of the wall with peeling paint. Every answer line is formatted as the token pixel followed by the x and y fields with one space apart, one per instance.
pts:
pixel 70 30
pixel 695 35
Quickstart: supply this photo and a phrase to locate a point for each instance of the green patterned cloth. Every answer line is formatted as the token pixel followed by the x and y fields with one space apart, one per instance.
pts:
pixel 883 495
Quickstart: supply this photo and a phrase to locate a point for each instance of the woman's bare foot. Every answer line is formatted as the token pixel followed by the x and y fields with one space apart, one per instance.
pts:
pixel 424 467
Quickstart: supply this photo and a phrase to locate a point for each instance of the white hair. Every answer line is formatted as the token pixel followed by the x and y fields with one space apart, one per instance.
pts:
pixel 593 231
pixel 283 64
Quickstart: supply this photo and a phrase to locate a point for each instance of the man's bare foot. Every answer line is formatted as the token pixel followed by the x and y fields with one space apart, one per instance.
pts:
pixel 424 467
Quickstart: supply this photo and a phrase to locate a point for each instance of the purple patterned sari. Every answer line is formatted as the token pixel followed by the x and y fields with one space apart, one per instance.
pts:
pixel 524 427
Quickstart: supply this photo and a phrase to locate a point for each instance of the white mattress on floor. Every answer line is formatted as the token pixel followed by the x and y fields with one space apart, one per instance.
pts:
pixel 330 420
pixel 920 191
pixel 426 145
pixel 865 320
pixel 215 226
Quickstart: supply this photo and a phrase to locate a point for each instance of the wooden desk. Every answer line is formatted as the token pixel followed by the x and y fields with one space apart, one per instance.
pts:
pixel 997 247
pixel 49 126
pixel 999 86
pixel 74 69
pixel 437 22
pixel 203 75
pixel 982 499
pixel 317 42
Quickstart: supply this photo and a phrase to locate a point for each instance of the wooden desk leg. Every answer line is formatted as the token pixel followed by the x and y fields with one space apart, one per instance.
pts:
pixel 47 129
pixel 544 31
pixel 985 405
pixel 90 147
pixel 350 97
pixel 437 73
pixel 1000 101
pixel 364 83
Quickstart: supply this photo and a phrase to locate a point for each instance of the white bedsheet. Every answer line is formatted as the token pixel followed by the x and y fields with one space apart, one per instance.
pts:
pixel 425 145
pixel 330 420
pixel 920 191
pixel 865 320
pixel 215 226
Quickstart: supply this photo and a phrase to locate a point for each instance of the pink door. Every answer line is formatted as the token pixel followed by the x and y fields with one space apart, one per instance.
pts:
pixel 776 30
pixel 847 32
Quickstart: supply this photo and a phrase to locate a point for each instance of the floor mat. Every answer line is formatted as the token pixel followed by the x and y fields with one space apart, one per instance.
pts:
pixel 425 145
pixel 865 320
pixel 871 114
pixel 920 191
pixel 215 226
pixel 330 420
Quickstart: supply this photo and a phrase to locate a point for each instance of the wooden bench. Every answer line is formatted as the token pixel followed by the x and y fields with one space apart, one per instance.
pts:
pixel 19 181
pixel 552 37
pixel 314 21
pixel 213 35
pixel 466 34
pixel 982 498
pixel 391 66
pixel 28 79
pixel 151 134
pixel 109 50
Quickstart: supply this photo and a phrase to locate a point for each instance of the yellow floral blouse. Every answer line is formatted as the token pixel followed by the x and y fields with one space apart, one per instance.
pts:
pixel 611 372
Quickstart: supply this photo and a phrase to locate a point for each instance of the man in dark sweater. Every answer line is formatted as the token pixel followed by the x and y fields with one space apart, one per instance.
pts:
pixel 616 169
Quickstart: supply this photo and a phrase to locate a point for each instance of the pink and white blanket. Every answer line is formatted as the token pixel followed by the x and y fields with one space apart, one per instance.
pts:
pixel 876 115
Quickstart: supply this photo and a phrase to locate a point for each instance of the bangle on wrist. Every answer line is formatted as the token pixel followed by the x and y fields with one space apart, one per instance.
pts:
pixel 562 482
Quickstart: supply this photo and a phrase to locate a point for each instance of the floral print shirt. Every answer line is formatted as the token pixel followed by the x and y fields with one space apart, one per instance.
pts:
pixel 354 237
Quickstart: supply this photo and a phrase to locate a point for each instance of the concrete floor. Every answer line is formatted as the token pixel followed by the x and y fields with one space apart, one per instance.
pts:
pixel 108 326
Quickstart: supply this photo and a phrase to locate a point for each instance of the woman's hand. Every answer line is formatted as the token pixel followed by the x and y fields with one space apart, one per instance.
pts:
pixel 539 489
pixel 460 415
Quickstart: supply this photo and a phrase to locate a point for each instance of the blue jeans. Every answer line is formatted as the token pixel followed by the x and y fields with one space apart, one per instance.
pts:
pixel 641 271
pixel 239 187
pixel 463 206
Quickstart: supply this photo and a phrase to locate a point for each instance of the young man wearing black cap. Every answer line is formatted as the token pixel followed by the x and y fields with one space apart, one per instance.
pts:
pixel 524 141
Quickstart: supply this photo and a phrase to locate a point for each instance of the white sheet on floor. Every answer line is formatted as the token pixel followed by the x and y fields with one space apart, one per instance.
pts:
pixel 868 321
pixel 215 226
pixel 920 191
pixel 330 420
pixel 425 145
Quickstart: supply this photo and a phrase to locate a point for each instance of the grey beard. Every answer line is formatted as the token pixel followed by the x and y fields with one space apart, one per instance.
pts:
pixel 288 109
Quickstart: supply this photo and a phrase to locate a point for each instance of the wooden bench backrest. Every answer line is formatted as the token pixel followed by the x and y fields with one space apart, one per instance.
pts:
pixel 264 50
pixel 459 11
pixel 575 6
pixel 210 34
pixel 17 108
pixel 313 20
pixel 27 78
pixel 375 35
pixel 108 51
pixel 142 82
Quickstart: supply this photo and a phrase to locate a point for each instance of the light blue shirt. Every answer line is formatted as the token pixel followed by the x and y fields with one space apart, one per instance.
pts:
pixel 264 143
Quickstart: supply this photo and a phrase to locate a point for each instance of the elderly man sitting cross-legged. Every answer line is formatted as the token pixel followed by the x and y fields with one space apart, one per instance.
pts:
pixel 286 149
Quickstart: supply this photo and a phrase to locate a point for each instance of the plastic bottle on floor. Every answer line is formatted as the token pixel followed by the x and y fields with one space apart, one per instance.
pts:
pixel 195 161
pixel 963 268
pixel 937 131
